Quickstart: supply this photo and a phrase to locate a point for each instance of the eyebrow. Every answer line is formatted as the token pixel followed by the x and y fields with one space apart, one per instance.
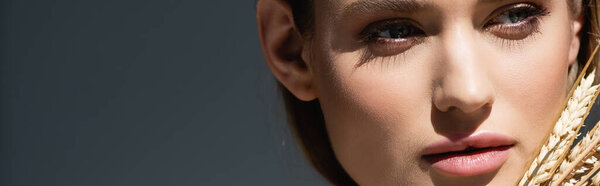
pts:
pixel 370 6
pixel 402 6
pixel 489 1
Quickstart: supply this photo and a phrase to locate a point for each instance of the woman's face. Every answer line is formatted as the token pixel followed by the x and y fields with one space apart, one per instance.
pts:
pixel 418 92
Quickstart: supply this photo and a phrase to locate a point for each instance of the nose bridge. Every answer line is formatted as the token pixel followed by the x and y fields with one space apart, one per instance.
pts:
pixel 463 83
pixel 458 43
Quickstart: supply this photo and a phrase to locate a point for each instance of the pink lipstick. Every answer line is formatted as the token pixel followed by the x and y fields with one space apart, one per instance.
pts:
pixel 477 154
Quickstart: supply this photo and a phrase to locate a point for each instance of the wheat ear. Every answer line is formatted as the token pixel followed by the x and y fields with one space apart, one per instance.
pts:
pixel 595 180
pixel 582 162
pixel 570 166
pixel 564 131
pixel 588 167
pixel 566 128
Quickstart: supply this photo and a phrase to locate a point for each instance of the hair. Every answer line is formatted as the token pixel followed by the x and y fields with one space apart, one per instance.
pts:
pixel 306 118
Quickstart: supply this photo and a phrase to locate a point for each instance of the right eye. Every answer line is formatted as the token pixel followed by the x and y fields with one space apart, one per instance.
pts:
pixel 393 30
pixel 397 32
pixel 391 37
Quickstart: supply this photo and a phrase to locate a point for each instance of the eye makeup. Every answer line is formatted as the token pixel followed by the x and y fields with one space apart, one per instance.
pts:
pixel 517 21
pixel 393 36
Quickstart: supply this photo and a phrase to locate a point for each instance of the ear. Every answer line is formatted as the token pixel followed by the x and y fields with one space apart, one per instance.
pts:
pixel 283 47
pixel 576 26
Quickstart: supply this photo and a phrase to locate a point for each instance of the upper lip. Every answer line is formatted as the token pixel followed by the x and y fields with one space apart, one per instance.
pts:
pixel 477 140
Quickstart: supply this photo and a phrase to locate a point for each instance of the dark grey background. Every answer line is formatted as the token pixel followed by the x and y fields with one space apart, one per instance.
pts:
pixel 140 92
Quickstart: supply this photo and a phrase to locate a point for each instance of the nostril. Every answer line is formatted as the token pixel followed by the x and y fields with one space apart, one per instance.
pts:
pixel 465 107
pixel 455 123
pixel 463 101
pixel 474 103
pixel 475 108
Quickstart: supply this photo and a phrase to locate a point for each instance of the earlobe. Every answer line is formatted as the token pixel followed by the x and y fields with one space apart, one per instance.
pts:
pixel 283 47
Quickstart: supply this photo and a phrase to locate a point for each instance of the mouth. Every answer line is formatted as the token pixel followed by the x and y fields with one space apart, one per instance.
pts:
pixel 477 154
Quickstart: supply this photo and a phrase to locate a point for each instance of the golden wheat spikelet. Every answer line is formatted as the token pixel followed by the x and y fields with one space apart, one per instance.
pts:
pixel 595 180
pixel 572 164
pixel 566 128
pixel 586 167
pixel 553 151
pixel 582 163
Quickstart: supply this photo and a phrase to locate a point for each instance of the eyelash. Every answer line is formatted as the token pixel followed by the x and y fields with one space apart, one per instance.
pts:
pixel 527 26
pixel 372 34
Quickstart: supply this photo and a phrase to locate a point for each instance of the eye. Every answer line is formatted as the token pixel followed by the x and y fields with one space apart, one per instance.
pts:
pixel 390 30
pixel 396 32
pixel 391 37
pixel 513 16
pixel 516 21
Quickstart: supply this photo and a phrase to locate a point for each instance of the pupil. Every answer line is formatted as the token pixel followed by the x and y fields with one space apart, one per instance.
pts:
pixel 516 17
pixel 398 32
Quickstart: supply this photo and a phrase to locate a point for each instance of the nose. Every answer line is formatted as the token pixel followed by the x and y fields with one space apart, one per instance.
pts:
pixel 463 83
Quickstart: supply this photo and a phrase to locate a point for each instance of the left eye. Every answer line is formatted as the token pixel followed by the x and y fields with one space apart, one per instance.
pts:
pixel 517 14
pixel 516 22
pixel 514 16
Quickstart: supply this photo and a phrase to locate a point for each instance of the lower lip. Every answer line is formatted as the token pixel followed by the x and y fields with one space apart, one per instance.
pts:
pixel 469 164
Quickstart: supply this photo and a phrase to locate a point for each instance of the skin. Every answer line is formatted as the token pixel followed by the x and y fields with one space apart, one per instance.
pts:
pixel 384 103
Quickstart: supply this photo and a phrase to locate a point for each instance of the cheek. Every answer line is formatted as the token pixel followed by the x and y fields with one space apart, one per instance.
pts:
pixel 533 80
pixel 531 88
pixel 378 110
pixel 381 92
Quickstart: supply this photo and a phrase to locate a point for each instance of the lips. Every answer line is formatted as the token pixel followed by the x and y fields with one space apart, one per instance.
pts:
pixel 473 155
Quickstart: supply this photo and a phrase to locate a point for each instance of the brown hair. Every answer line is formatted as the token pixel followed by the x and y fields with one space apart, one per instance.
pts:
pixel 590 32
pixel 306 118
